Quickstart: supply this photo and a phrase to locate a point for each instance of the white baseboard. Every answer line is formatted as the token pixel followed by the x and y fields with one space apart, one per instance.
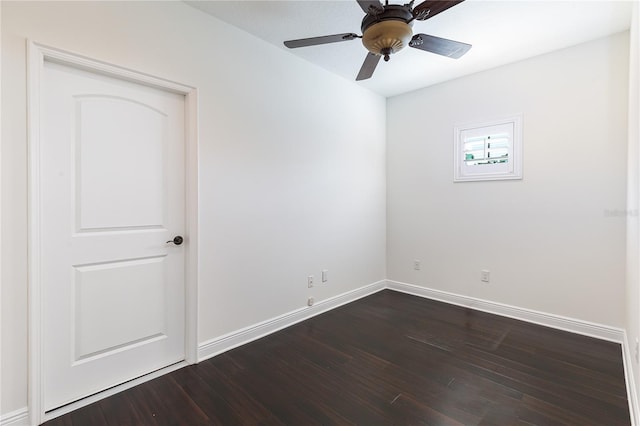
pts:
pixel 232 340
pixel 573 325
pixel 15 418
pixel 237 338
pixel 632 391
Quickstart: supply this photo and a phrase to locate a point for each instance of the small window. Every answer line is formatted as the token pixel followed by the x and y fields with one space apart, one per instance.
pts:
pixel 488 151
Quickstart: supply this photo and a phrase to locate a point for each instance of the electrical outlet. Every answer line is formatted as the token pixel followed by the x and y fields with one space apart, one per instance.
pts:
pixel 417 265
pixel 310 301
pixel 310 281
pixel 637 355
pixel 325 275
pixel 485 275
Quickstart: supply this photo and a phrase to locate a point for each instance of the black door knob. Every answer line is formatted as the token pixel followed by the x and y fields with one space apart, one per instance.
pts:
pixel 176 240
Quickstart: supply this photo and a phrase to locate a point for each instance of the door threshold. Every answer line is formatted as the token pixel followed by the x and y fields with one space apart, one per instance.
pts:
pixel 72 406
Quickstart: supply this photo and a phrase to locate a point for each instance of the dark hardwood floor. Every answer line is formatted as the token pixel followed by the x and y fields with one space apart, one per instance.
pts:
pixel 389 358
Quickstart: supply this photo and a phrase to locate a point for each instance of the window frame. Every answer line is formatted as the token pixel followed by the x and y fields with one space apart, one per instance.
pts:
pixel 511 169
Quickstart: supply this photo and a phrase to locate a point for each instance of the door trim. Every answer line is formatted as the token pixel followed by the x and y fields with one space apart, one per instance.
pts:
pixel 37 54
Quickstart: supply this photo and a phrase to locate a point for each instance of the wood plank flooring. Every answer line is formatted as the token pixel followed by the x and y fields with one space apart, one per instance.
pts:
pixel 389 358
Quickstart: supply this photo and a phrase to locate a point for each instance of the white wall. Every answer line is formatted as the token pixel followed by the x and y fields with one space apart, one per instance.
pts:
pixel 554 241
pixel 291 158
pixel 632 324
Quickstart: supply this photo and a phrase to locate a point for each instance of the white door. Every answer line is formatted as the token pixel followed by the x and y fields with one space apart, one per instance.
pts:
pixel 112 193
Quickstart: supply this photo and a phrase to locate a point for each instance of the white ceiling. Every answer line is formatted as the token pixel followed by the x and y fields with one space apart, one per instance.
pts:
pixel 500 32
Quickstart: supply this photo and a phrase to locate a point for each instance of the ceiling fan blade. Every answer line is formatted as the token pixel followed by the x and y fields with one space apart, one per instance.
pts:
pixel 367 4
pixel 368 66
pixel 430 8
pixel 439 46
pixel 313 41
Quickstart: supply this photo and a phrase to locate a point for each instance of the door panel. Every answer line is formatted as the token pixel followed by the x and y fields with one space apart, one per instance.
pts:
pixel 123 287
pixel 111 195
pixel 125 199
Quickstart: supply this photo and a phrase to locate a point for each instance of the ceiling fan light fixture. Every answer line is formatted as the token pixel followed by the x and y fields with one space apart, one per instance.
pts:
pixel 387 36
pixel 387 29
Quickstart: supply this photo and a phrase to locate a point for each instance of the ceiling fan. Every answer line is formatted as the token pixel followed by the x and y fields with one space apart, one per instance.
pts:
pixel 386 29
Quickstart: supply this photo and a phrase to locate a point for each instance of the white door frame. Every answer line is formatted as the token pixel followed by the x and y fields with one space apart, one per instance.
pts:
pixel 37 54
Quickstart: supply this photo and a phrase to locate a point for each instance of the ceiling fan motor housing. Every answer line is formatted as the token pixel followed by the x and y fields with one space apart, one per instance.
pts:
pixel 389 31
